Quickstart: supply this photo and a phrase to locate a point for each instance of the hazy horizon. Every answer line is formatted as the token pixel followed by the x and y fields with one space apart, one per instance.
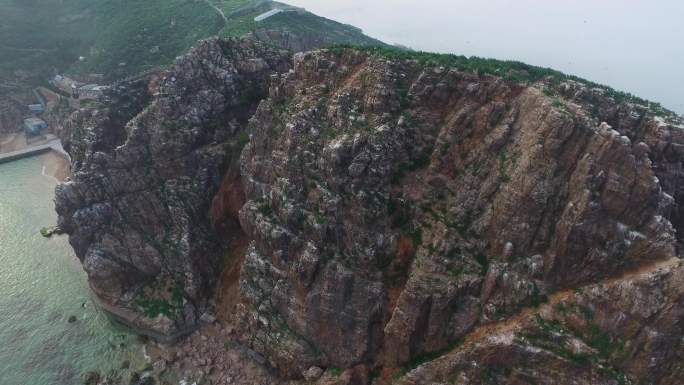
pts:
pixel 630 45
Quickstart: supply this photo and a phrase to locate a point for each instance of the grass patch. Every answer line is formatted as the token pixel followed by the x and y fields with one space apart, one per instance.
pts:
pixel 335 371
pixel 38 35
pixel 504 162
pixel 330 31
pixel 318 217
pixel 266 210
pixel 158 303
pixel 550 333
pixel 243 139
pixel 482 260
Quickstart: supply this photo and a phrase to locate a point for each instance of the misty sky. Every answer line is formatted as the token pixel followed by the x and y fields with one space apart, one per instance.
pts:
pixel 632 45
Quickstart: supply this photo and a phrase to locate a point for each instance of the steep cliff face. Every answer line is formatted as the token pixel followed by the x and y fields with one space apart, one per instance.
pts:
pixel 144 179
pixel 395 211
pixel 394 207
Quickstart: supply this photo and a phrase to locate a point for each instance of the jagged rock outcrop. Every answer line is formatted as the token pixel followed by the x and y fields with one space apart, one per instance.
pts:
pixel 619 332
pixel 388 225
pixel 393 208
pixel 136 208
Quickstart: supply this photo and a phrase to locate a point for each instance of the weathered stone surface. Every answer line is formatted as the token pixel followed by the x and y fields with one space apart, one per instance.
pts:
pixel 611 333
pixel 144 178
pixel 392 210
pixel 386 228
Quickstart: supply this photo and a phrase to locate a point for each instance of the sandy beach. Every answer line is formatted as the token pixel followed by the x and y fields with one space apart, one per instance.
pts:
pixel 56 166
pixel 12 142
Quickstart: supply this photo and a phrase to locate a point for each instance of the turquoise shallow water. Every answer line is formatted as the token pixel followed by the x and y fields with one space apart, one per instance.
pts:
pixel 42 284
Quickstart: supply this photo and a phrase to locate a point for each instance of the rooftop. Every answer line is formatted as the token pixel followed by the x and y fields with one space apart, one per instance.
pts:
pixel 33 121
pixel 93 87
pixel 268 14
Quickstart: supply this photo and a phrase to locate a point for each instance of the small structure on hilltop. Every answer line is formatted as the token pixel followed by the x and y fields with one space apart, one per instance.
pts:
pixel 91 91
pixel 281 9
pixel 268 14
pixel 66 84
pixel 36 108
pixel 34 126
pixel 78 90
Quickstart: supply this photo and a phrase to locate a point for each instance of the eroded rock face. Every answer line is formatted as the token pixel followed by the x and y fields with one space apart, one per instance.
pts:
pixel 392 208
pixel 137 206
pixel 619 332
pixel 395 207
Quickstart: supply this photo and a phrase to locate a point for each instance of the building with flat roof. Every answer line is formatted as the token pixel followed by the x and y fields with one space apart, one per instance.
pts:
pixel 268 14
pixel 65 84
pixel 34 126
pixel 36 108
pixel 91 91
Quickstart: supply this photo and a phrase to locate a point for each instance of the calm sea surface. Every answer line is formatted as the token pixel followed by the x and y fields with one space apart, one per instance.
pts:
pixel 42 285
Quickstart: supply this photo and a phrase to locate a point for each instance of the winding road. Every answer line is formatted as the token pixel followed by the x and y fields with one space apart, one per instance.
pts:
pixel 219 10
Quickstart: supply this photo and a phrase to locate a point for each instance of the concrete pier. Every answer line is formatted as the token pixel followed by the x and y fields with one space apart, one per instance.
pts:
pixel 53 144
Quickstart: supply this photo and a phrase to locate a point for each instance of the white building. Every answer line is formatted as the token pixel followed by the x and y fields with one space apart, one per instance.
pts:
pixel 268 14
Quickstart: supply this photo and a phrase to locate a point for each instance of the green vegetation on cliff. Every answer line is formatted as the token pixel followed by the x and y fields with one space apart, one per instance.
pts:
pixel 508 69
pixel 310 24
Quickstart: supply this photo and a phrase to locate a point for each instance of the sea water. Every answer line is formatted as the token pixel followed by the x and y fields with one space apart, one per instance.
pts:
pixel 42 285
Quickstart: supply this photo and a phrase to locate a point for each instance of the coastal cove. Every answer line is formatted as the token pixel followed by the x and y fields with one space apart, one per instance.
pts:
pixel 50 331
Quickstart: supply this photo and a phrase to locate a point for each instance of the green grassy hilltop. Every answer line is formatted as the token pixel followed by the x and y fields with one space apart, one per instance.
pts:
pixel 38 34
pixel 123 37
pixel 117 38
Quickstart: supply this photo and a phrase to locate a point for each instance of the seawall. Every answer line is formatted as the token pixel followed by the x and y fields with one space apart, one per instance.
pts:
pixel 53 145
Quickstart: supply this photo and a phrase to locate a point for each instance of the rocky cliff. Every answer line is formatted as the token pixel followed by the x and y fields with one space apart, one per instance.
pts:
pixel 347 209
pixel 137 206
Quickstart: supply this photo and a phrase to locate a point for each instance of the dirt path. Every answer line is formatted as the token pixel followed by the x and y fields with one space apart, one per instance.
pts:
pixel 219 10
pixel 506 329
pixel 513 323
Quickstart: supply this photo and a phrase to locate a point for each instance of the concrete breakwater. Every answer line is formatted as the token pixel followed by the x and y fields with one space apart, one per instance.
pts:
pixel 53 144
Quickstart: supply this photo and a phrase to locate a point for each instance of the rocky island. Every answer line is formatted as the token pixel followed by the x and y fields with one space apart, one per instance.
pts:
pixel 368 215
